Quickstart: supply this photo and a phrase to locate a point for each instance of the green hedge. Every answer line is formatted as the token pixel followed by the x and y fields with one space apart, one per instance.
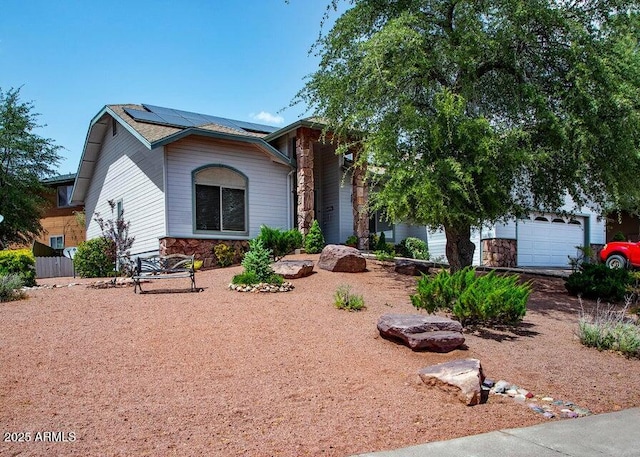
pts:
pixel 597 281
pixel 95 258
pixel 19 262
pixel 487 300
pixel 280 242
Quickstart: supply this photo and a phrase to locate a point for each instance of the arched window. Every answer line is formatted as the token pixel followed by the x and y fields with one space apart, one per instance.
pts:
pixel 557 220
pixel 541 219
pixel 220 199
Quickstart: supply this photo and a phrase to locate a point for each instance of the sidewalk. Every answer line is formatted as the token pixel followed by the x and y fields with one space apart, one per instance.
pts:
pixel 603 435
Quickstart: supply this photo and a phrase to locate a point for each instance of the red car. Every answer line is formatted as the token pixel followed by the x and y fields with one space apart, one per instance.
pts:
pixel 621 254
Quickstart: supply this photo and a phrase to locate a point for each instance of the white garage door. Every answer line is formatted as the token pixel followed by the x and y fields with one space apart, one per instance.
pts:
pixel 549 240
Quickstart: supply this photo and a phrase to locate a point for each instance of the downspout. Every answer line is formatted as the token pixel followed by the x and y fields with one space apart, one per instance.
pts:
pixel 290 199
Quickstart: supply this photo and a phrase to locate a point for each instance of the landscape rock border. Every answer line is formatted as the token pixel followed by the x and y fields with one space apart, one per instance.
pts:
pixel 262 287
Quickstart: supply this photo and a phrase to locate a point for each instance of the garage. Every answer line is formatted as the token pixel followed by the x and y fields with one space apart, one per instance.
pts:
pixel 548 240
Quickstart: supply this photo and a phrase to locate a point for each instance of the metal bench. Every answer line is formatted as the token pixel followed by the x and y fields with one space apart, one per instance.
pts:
pixel 172 266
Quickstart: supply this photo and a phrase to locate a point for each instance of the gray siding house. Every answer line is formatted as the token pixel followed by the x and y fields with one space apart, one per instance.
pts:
pixel 188 181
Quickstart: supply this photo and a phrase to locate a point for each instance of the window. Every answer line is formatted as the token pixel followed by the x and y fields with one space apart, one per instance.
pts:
pixel 378 223
pixel 56 242
pixel 119 209
pixel 114 126
pixel 541 219
pixel 64 196
pixel 220 200
pixel 557 220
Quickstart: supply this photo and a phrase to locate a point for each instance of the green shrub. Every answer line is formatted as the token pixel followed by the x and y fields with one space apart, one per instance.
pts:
pixel 413 248
pixel 382 244
pixel 20 262
pixel 597 281
pixel 258 261
pixel 609 329
pixel 344 299
pixel 619 236
pixel 373 241
pixel 488 299
pixel 280 242
pixel 224 254
pixel 314 241
pixel 10 287
pixel 94 258
pixel 247 278
pixel 384 256
pixel 294 238
pixel 352 240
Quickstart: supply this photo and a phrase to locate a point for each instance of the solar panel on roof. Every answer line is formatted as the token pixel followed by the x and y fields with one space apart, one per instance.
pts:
pixel 144 116
pixel 176 120
pixel 198 119
pixel 256 127
pixel 170 116
pixel 159 109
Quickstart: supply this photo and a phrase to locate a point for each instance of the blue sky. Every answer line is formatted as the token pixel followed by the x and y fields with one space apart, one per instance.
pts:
pixel 228 58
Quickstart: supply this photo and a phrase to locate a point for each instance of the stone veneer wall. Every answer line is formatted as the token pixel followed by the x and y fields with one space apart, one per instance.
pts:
pixel 500 252
pixel 203 249
pixel 595 249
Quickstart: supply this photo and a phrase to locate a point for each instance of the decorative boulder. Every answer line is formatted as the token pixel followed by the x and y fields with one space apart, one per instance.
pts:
pixel 464 376
pixel 336 257
pixel 411 268
pixel 293 269
pixel 432 333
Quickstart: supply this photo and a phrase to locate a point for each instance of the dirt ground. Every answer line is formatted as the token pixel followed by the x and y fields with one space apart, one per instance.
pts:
pixel 224 373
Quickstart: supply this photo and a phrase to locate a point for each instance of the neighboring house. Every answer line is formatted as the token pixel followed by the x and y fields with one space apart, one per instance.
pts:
pixel 61 225
pixel 188 181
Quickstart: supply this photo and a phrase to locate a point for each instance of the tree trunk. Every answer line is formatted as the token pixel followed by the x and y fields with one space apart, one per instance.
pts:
pixel 459 248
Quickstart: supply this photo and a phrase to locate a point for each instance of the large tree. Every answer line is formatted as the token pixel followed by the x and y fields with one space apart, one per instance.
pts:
pixel 479 111
pixel 25 159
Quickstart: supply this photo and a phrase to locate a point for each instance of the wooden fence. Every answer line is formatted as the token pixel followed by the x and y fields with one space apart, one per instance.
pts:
pixel 53 267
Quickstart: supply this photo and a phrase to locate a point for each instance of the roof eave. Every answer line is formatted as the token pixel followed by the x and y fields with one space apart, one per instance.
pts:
pixel 297 124
pixel 260 142
pixel 91 149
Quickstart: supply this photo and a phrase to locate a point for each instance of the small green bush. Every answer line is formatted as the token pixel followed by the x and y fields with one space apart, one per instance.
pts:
pixel 344 299
pixel 257 266
pixel 382 244
pixel 224 254
pixel 20 262
pixel 352 240
pixel 413 248
pixel 249 278
pixel 314 241
pixel 10 287
pixel 246 278
pixel 384 256
pixel 597 281
pixel 619 236
pixel 608 329
pixel 487 300
pixel 280 242
pixel 94 258
pixel 373 241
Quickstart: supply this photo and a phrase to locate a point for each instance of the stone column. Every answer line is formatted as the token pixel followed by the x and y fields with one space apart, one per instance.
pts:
pixel 359 197
pixel 304 158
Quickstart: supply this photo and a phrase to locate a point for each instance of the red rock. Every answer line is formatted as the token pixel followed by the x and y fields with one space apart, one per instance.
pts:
pixel 293 269
pixel 465 376
pixel 336 257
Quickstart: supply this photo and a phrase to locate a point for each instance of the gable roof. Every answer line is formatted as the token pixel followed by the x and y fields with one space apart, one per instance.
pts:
pixel 156 126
